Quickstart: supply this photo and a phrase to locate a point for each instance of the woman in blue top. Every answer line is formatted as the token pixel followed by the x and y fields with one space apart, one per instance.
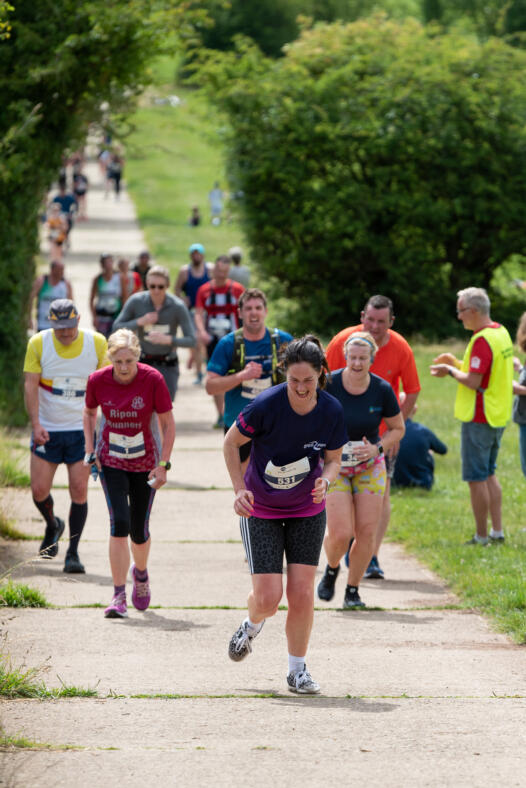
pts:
pixel 356 496
pixel 281 500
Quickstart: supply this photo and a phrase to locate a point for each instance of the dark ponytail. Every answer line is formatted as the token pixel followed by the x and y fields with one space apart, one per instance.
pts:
pixel 307 350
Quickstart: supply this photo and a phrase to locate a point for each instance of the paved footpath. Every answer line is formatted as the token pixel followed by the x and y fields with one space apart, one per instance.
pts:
pixel 414 693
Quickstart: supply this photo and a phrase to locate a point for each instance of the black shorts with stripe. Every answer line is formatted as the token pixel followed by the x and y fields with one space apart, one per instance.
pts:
pixel 266 541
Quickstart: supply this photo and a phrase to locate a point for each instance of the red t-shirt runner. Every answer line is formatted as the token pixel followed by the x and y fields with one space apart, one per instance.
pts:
pixel 129 437
pixel 220 304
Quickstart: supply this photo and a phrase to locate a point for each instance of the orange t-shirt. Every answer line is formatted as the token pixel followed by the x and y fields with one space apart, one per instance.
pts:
pixel 394 362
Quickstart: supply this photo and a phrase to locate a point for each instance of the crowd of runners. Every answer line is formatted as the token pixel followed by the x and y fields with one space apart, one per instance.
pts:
pixel 311 434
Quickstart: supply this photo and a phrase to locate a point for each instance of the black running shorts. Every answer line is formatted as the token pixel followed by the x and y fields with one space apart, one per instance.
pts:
pixel 266 542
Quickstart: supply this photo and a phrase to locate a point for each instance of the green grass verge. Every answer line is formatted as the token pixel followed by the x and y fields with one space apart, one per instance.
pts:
pixel 10 473
pixel 9 531
pixel 18 742
pixel 19 682
pixel 435 525
pixel 20 595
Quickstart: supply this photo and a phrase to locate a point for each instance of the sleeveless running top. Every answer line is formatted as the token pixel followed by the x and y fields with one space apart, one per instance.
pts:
pixel 46 295
pixel 62 384
pixel 108 302
pixel 193 283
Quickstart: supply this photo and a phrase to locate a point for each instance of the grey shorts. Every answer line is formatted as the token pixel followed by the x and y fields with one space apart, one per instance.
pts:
pixel 300 539
pixel 479 447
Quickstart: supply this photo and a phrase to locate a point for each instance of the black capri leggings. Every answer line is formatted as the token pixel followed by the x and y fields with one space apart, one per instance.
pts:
pixel 129 498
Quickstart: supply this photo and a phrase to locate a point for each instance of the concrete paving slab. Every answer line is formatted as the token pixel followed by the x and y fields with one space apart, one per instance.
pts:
pixel 208 573
pixel 286 741
pixel 375 653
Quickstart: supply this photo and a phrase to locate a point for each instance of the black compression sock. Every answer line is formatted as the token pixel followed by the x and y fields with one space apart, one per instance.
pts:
pixel 77 518
pixel 45 508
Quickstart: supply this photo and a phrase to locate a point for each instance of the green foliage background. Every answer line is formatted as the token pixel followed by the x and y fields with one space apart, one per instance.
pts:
pixel 377 157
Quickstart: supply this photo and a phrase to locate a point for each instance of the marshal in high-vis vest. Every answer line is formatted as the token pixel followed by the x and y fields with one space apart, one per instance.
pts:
pixel 483 406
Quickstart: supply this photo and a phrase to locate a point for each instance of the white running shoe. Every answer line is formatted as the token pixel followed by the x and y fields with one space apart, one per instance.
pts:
pixel 241 643
pixel 302 682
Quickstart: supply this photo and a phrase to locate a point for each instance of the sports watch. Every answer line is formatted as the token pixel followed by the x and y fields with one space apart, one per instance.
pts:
pixel 380 449
pixel 165 464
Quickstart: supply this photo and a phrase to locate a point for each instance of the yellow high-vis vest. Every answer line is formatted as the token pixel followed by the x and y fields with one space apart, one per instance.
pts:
pixel 498 396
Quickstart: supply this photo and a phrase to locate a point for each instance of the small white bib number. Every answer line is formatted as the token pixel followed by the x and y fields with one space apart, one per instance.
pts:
pixel 251 388
pixel 285 477
pixel 349 459
pixel 219 325
pixel 69 387
pixel 127 446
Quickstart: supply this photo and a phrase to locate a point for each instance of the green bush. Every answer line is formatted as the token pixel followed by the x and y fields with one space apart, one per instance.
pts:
pixel 377 157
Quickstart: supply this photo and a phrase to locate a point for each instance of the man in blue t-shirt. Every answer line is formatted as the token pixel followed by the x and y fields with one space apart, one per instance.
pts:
pixel 244 362
pixel 415 464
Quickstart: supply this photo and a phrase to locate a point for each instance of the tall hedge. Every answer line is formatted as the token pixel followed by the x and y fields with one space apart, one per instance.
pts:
pixel 377 157
pixel 60 60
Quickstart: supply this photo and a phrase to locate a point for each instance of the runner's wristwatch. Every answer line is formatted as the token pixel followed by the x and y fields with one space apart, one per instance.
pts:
pixel 165 464
pixel 380 449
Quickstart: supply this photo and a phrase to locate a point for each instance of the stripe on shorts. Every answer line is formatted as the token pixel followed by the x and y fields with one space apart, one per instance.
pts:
pixel 245 536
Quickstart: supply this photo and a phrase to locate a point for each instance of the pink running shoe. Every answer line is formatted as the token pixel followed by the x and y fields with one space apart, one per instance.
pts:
pixel 117 608
pixel 141 591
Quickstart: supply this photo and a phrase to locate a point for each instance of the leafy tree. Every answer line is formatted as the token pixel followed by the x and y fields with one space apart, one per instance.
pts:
pixel 60 60
pixel 273 23
pixel 377 157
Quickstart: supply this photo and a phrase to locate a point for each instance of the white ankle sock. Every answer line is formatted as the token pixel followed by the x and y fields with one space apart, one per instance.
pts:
pixel 252 628
pixel 296 664
pixel 495 534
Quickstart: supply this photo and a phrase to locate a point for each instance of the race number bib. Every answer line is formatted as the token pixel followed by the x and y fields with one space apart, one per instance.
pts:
pixel 285 477
pixel 160 327
pixel 127 446
pixel 349 459
pixel 69 387
pixel 251 388
pixel 219 326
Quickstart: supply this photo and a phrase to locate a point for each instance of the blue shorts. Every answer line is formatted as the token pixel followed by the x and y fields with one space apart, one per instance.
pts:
pixel 65 447
pixel 479 446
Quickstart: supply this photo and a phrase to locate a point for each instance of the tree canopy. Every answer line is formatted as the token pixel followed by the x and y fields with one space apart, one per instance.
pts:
pixel 60 60
pixel 377 157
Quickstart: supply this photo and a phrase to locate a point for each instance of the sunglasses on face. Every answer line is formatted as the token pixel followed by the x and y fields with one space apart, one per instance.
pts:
pixel 156 287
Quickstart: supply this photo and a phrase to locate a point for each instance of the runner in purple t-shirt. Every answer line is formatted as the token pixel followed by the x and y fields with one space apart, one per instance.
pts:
pixel 281 500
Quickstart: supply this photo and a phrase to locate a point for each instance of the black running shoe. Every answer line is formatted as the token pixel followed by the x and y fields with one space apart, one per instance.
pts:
pixel 325 588
pixel 49 544
pixel 352 599
pixel 73 565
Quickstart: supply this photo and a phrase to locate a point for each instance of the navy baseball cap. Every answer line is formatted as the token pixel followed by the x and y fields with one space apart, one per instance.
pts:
pixel 63 313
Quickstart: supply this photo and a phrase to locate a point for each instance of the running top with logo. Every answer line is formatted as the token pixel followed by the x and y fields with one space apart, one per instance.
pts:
pixel 109 294
pixel 394 361
pixel 287 449
pixel 259 351
pixel 45 296
pixel 128 437
pixel 64 371
pixel 193 283
pixel 220 304
pixel 363 414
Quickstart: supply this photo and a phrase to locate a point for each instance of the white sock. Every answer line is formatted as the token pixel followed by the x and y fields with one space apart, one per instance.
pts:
pixel 296 664
pixel 481 539
pixel 495 534
pixel 252 628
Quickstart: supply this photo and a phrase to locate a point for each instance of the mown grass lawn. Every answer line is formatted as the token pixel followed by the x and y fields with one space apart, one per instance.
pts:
pixel 173 159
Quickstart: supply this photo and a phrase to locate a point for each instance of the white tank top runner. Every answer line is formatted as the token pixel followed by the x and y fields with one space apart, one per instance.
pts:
pixel 61 406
